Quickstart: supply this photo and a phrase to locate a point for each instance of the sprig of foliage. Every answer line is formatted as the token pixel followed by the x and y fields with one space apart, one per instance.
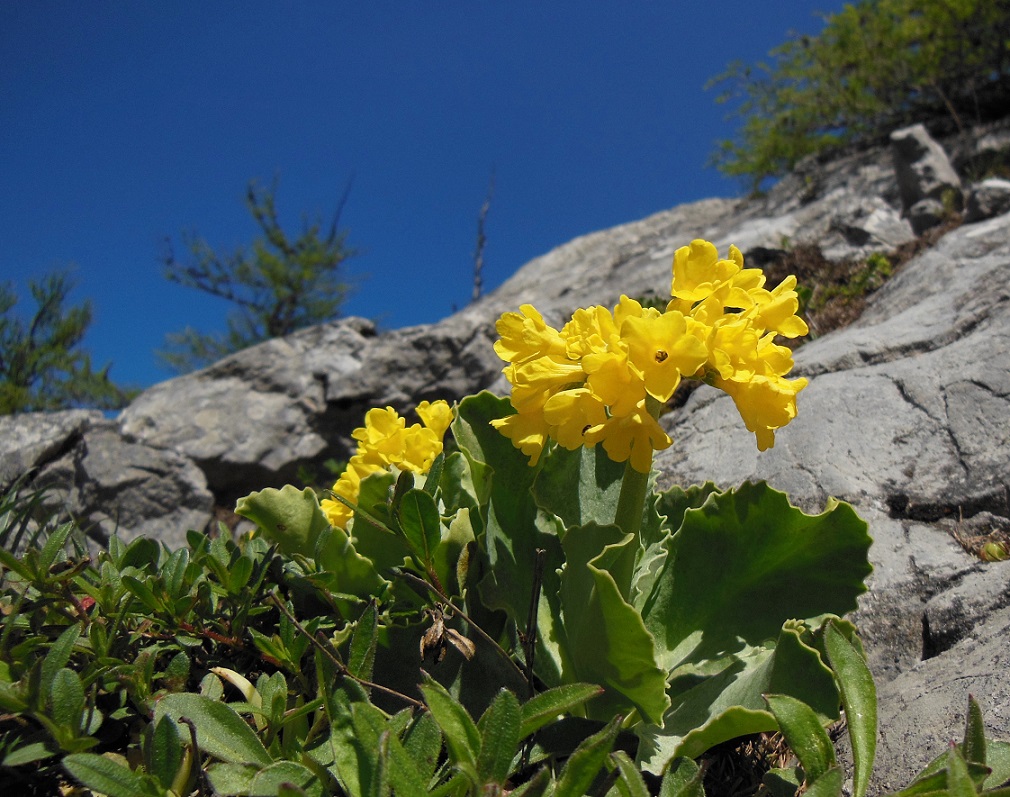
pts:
pixel 42 364
pixel 280 285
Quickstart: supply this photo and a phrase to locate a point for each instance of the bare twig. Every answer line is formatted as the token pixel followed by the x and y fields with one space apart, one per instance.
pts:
pixel 530 640
pixel 478 254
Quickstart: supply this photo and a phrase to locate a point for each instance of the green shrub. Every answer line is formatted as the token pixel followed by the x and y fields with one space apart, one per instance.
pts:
pixel 876 65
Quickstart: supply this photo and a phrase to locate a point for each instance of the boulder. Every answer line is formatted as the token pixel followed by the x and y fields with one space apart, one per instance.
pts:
pixel 987 199
pixel 907 416
pixel 924 172
pixel 89 471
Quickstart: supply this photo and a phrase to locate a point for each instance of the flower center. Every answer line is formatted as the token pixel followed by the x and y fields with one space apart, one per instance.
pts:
pixel 661 356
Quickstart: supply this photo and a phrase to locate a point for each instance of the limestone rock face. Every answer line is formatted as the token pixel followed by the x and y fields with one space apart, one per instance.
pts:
pixel 987 199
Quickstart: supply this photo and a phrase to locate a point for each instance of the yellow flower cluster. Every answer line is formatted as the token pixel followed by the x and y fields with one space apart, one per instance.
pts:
pixel 386 440
pixel 588 382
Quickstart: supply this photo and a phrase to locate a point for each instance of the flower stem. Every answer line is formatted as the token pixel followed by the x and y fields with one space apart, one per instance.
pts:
pixel 630 508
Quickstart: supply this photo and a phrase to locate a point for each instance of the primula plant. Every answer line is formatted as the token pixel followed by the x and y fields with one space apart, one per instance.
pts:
pixel 535 532
pixel 507 559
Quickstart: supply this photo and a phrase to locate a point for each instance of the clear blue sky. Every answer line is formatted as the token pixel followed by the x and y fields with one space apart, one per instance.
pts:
pixel 122 124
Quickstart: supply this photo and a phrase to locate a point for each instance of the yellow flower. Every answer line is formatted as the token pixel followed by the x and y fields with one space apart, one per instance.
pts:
pixel 776 309
pixel 588 383
pixel 528 432
pixel 525 335
pixel 630 437
pixel 570 413
pixel 535 381
pixel 662 349
pixel 386 440
pixel 613 379
pixel 765 403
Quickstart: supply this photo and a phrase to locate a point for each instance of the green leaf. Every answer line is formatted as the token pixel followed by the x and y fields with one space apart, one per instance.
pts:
pixel 352 573
pixel 717 700
pixel 998 758
pixel 461 734
pixel 405 779
pixel 514 526
pixel 59 655
pixel 974 747
pixel 420 523
pixel 163 751
pixel 423 743
pixel 804 734
pixel 268 780
pixel 580 486
pixel 140 590
pixel 603 638
pixel 379 544
pixel 859 697
pixel 67 698
pixel 361 657
pixel 829 784
pixel 548 706
pixel 629 781
pixel 26 754
pixel 431 481
pixel 747 561
pixel 585 763
pixel 499 729
pixel 959 782
pixel 221 732
pixel 683 778
pixel 54 545
pixel 106 776
pixel 289 517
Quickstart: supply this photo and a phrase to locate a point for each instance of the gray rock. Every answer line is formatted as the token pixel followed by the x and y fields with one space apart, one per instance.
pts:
pixel 923 710
pixel 111 485
pixel 926 214
pixel 956 612
pixel 923 169
pixel 88 471
pixel 987 199
pixel 31 440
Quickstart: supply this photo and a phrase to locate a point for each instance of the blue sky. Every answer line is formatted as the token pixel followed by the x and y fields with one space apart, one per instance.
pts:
pixel 122 124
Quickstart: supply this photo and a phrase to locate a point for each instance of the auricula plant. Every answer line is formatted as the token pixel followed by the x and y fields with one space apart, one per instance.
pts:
pixel 538 534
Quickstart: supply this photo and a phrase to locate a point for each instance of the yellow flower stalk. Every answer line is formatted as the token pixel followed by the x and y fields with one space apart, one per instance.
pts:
pixel 385 440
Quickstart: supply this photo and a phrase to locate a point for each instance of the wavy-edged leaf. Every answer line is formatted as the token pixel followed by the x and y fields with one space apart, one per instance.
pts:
pixel 747 561
pixel 289 517
pixel 714 701
pixel 361 656
pixel 603 638
pixel 580 486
